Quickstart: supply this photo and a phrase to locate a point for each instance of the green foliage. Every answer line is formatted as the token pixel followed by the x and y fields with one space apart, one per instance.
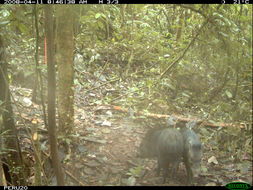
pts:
pixel 137 43
pixel 137 49
pixel 136 171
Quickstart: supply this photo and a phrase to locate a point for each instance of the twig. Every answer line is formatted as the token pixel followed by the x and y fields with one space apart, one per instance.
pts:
pixel 114 80
pixel 73 177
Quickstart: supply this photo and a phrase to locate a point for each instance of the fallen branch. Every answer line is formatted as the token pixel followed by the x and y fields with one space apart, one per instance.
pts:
pixel 178 117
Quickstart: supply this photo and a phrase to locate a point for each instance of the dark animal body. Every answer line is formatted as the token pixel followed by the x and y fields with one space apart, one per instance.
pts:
pixel 166 145
pixel 171 146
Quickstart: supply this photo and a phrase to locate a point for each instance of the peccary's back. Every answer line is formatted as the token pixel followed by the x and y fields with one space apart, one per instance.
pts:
pixel 148 146
pixel 170 144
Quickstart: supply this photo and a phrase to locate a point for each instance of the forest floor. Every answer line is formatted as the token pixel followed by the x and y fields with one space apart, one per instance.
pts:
pixel 103 149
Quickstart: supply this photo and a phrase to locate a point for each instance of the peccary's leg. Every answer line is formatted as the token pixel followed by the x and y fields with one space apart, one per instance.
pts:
pixel 165 167
pixel 189 171
pixel 165 174
pixel 174 169
pixel 158 167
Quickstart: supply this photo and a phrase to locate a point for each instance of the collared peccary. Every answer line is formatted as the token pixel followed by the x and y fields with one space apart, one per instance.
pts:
pixel 166 144
pixel 192 151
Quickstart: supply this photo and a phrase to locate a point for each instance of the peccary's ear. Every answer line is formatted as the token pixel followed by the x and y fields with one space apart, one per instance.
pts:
pixel 191 124
pixel 181 125
pixel 171 121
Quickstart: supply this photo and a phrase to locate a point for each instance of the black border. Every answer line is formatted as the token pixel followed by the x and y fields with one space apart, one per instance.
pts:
pixel 127 1
pixel 109 187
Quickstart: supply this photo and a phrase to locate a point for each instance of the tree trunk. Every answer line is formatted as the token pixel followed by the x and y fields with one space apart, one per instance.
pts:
pixel 10 139
pixel 51 94
pixel 64 59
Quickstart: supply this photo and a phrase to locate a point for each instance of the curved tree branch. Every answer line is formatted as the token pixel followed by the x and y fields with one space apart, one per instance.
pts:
pixel 189 45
